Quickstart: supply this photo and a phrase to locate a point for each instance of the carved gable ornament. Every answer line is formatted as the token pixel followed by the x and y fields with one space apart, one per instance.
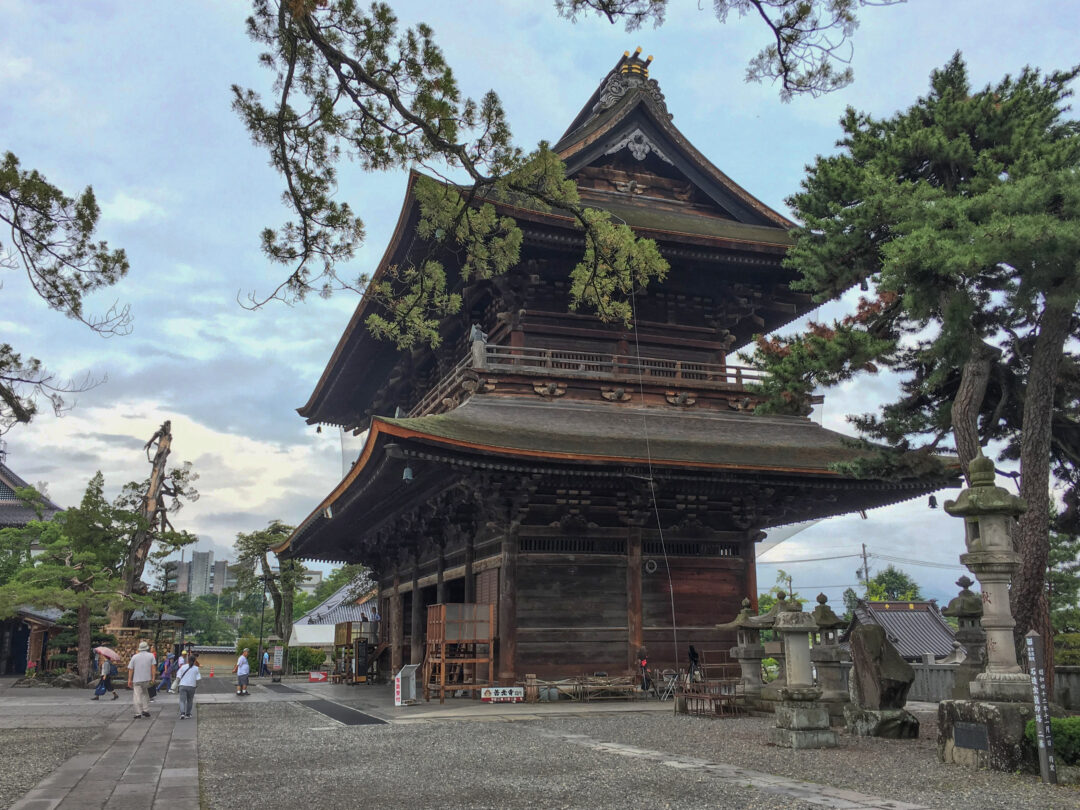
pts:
pixel 639 145
pixel 619 84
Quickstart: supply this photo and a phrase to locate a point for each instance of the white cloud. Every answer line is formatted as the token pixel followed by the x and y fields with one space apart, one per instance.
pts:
pixel 244 482
pixel 14 68
pixel 123 207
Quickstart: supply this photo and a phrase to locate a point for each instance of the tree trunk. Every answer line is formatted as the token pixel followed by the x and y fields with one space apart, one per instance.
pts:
pixel 974 378
pixel 139 548
pixel 85 641
pixel 1032 536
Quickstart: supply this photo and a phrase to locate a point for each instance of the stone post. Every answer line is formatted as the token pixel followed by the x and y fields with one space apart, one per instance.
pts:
pixel 989 514
pixel 801 720
pixel 829 657
pixel 966 608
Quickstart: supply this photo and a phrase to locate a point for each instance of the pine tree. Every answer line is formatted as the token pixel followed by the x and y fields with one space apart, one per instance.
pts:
pixel 1063 578
pixel 50 237
pixel 961 218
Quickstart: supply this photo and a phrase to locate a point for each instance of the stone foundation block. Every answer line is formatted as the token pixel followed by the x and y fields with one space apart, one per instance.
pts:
pixel 892 724
pixel 791 738
pixel 985 734
pixel 801 717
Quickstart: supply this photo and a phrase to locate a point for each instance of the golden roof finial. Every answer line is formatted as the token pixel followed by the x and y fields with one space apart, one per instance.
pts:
pixel 635 64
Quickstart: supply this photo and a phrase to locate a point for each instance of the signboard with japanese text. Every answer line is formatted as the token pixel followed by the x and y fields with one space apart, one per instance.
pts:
pixel 502 694
pixel 1044 739
pixel 276 658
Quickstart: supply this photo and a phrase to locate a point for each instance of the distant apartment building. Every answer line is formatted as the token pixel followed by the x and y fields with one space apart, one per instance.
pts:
pixel 202 565
pixel 312 580
pixel 222 577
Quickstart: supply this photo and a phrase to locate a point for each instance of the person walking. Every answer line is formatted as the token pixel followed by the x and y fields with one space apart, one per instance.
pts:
pixel 140 674
pixel 265 666
pixel 242 670
pixel 177 664
pixel 187 679
pixel 108 669
pixel 166 671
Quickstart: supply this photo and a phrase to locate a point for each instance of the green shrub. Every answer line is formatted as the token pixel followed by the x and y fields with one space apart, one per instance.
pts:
pixel 1067 649
pixel 1066 734
pixel 253 648
pixel 304 659
pixel 771 669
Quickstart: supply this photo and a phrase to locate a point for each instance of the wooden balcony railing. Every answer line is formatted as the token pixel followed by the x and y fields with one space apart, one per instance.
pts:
pixel 487 358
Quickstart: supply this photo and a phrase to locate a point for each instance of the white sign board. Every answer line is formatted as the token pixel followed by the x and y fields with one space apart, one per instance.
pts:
pixel 275 661
pixel 502 694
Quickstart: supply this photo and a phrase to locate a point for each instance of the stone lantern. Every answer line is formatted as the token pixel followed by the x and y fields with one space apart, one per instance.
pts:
pixel 749 651
pixel 829 658
pixel 967 609
pixel 749 627
pixel 801 720
pixel 989 514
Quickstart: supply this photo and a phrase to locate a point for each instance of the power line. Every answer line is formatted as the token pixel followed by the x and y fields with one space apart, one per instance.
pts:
pixel 924 563
pixel 808 559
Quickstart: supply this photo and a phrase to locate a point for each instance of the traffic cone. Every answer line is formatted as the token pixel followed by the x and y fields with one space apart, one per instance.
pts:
pixel 211 670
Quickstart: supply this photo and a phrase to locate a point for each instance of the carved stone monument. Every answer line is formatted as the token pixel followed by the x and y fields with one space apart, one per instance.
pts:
pixel 988 729
pixel 829 658
pixel 802 721
pixel 880 680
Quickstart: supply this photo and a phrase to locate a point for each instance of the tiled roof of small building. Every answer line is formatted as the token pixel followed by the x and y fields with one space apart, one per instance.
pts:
pixel 914 628
pixel 14 512
pixel 339 608
pixel 142 616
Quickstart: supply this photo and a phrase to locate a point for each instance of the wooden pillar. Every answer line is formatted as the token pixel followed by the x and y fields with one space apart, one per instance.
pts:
pixel 470 579
pixel 635 636
pixel 508 605
pixel 416 626
pixel 440 579
pixel 750 561
pixel 397 628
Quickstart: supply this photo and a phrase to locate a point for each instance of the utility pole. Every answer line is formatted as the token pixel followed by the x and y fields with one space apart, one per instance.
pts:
pixel 865 571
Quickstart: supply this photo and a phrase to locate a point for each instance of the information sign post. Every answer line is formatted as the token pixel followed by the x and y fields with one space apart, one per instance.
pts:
pixel 1037 668
pixel 275 664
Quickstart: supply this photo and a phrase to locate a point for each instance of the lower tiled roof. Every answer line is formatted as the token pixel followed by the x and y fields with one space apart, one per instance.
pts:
pixel 914 628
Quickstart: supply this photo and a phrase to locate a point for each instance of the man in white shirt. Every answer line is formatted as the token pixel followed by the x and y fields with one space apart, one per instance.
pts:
pixel 140 674
pixel 242 670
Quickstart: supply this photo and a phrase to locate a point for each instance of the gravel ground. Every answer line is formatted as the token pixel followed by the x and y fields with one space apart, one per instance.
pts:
pixel 513 765
pixel 903 770
pixel 296 756
pixel 29 755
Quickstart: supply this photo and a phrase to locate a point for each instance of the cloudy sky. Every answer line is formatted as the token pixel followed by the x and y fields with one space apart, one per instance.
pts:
pixel 134 99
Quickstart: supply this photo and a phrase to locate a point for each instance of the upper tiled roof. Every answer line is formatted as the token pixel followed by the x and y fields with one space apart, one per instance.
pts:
pixel 14 512
pixel 914 628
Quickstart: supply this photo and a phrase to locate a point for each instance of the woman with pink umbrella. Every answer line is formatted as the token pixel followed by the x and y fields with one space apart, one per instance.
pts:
pixel 106 657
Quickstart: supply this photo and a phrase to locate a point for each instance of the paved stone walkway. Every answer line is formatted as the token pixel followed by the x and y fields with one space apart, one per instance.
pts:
pixel 146 764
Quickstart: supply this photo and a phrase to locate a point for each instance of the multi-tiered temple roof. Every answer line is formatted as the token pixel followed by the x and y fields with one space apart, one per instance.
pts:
pixel 543 460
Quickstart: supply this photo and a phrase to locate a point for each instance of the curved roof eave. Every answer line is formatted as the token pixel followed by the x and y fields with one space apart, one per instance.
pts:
pixel 357 320
pixel 381 426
